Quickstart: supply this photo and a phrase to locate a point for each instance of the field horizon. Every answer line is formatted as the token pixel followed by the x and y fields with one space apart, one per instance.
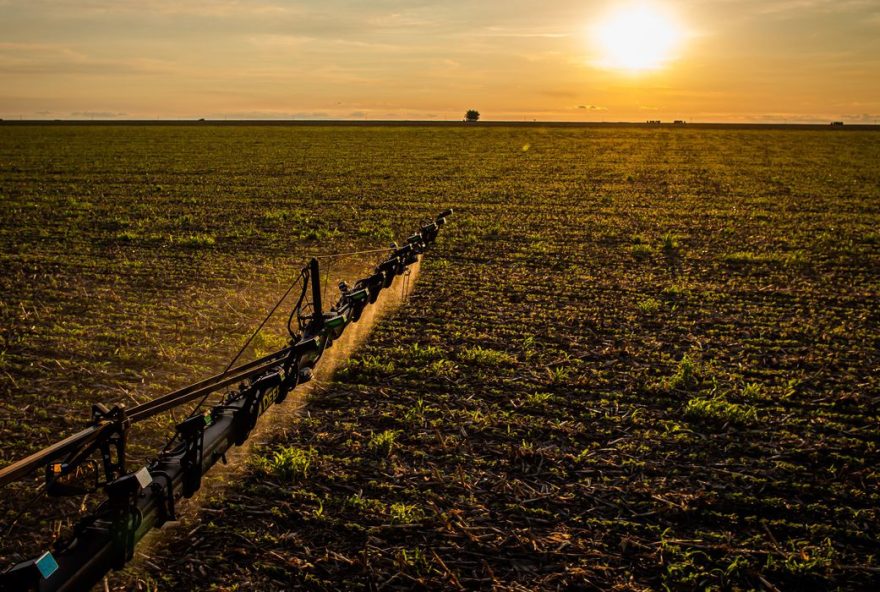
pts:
pixel 804 126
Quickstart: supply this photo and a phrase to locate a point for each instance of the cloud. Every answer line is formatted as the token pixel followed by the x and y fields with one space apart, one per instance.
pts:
pixel 271 115
pixel 201 8
pixel 519 33
pixel 592 108
pixel 48 58
pixel 560 93
pixel 867 118
pixel 97 114
pixel 782 117
pixel 275 42
pixel 398 20
pixel 797 8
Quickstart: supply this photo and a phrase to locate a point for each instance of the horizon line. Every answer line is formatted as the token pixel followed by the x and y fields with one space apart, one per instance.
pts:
pixel 833 124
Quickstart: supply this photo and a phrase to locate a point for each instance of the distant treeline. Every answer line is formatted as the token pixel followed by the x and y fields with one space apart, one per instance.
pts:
pixel 380 123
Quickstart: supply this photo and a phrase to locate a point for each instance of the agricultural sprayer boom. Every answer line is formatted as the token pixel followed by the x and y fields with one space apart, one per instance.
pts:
pixel 138 501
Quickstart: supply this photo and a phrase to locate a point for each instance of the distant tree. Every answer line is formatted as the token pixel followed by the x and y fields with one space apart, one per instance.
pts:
pixel 472 115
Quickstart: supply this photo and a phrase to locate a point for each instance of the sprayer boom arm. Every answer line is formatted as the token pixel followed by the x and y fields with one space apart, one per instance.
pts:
pixel 139 501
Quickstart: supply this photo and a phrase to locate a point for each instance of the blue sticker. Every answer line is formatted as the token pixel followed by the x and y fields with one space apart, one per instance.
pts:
pixel 47 565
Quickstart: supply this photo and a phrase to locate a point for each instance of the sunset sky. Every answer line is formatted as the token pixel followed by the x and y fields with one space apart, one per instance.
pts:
pixel 700 60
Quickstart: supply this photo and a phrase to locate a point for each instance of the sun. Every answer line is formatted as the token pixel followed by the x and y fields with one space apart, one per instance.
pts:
pixel 637 38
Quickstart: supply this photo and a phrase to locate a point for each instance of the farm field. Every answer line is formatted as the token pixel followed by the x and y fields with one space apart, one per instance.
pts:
pixel 636 358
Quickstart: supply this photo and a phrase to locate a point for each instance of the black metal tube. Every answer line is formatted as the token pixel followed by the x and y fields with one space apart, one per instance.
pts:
pixel 82 565
pixel 23 467
pixel 139 414
pixel 145 410
pixel 315 273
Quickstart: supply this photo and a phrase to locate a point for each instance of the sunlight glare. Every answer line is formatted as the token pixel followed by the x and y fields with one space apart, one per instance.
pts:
pixel 637 38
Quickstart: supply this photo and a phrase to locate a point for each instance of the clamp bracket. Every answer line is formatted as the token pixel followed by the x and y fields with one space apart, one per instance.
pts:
pixel 192 434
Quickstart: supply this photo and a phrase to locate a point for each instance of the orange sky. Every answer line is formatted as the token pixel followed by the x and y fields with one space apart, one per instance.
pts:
pixel 735 60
